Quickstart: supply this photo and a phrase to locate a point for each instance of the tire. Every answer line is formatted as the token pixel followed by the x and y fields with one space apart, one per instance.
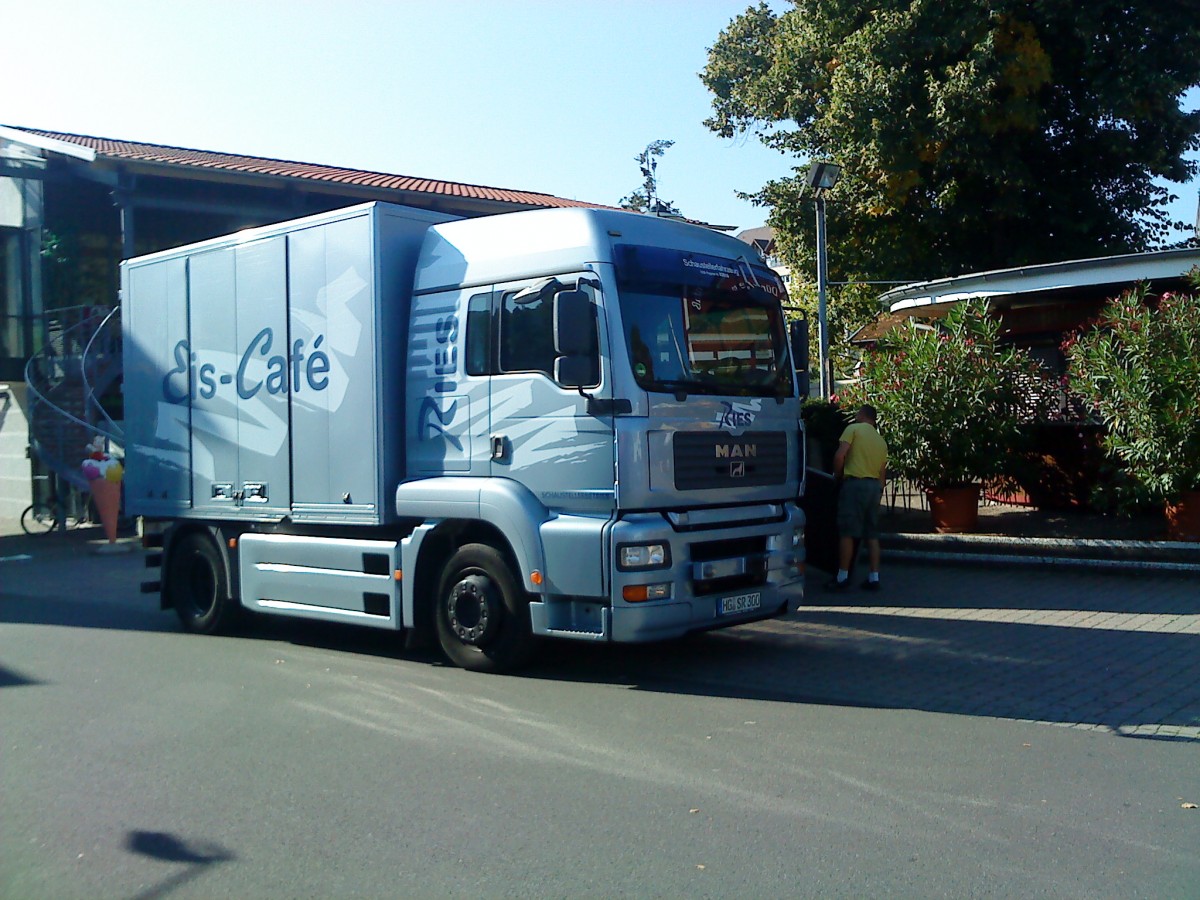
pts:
pixel 198 585
pixel 482 613
pixel 38 518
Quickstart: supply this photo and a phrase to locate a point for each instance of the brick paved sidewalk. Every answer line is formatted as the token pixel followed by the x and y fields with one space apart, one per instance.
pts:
pixel 1115 653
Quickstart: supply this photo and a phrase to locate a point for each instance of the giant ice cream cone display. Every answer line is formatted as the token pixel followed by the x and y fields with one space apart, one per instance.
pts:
pixel 107 497
pixel 104 476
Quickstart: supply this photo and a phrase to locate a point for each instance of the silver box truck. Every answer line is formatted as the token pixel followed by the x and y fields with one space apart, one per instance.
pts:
pixel 572 423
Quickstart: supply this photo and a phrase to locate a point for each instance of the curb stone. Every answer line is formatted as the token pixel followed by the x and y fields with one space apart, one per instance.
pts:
pixel 1104 555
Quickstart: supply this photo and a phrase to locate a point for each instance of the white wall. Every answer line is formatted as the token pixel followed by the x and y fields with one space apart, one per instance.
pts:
pixel 15 486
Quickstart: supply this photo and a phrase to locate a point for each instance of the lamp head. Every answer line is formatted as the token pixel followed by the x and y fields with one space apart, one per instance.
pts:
pixel 823 175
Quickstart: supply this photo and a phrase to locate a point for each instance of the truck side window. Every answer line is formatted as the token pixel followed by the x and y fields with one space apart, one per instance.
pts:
pixel 480 336
pixel 527 333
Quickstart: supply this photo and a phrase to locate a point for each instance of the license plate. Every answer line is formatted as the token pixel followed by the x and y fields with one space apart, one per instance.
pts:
pixel 728 606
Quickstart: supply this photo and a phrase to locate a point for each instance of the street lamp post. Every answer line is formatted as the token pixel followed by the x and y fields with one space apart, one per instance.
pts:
pixel 821 177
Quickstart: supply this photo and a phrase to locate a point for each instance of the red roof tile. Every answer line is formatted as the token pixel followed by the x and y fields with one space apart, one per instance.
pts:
pixel 204 159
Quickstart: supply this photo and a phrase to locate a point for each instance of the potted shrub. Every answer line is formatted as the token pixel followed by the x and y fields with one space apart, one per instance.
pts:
pixel 951 403
pixel 1138 367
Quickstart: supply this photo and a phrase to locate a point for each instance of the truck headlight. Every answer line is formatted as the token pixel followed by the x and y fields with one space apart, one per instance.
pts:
pixel 637 557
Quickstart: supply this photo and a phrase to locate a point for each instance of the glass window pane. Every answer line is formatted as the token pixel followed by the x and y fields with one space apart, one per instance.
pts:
pixel 527 333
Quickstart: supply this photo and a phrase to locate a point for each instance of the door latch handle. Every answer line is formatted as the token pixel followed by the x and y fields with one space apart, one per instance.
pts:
pixel 499 447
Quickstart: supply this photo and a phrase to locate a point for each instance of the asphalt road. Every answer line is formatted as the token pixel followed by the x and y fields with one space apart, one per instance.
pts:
pixel 845 750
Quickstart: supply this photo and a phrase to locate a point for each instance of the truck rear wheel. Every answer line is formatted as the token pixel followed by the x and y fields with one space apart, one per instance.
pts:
pixel 482 614
pixel 198 585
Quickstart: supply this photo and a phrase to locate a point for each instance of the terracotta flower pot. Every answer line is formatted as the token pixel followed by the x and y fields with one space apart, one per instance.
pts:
pixel 954 509
pixel 1183 518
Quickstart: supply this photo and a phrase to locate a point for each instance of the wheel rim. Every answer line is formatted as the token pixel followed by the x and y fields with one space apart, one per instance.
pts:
pixel 474 609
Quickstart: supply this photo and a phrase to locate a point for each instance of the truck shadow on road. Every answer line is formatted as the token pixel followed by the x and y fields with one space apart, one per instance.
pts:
pixel 1088 650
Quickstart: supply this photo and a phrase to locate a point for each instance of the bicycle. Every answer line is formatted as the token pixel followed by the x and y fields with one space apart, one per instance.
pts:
pixel 41 518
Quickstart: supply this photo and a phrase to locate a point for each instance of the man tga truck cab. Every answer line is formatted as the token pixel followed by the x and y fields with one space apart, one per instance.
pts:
pixel 571 423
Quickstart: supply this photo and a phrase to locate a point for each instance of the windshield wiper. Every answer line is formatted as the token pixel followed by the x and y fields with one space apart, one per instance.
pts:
pixel 680 389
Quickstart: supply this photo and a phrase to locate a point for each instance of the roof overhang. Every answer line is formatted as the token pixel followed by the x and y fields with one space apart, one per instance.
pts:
pixel 1051 284
pixel 110 161
pixel 47 145
pixel 1061 276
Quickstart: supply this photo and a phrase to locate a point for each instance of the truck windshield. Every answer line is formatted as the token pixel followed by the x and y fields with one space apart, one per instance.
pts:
pixel 702 324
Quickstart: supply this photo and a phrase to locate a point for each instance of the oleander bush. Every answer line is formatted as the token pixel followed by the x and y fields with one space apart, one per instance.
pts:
pixel 1138 367
pixel 951 399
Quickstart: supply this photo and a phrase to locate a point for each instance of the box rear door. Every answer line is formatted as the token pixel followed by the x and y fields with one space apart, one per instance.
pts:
pixel 240 374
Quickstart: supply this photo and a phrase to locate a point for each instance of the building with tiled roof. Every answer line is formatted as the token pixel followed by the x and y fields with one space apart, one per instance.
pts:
pixel 133 159
pixel 73 206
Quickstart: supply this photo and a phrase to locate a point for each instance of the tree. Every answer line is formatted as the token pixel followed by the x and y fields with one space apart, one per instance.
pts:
pixel 645 198
pixel 972 135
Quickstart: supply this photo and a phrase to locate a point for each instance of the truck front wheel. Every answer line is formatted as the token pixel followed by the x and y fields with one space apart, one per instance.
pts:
pixel 198 585
pixel 482 614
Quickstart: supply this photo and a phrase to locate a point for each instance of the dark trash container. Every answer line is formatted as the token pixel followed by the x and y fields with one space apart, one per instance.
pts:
pixel 820 511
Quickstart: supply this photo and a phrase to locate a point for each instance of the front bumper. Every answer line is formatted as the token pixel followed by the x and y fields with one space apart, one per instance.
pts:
pixel 720 574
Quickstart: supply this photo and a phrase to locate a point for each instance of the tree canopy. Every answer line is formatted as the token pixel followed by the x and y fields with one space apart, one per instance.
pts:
pixel 972 134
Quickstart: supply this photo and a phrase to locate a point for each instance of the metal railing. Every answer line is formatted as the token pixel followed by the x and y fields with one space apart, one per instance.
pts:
pixel 80 358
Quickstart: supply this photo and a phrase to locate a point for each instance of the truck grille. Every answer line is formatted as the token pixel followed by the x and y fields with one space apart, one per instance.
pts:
pixel 708 460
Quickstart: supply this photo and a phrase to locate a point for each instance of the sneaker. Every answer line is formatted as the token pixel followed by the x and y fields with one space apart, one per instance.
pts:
pixel 870 586
pixel 837 586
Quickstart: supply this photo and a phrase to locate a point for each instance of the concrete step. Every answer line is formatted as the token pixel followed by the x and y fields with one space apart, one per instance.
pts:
pixel 974 549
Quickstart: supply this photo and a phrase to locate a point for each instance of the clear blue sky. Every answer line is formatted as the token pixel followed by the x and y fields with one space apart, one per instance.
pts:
pixel 543 95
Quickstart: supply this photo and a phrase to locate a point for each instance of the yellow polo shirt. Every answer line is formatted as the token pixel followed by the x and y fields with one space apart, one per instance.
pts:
pixel 868 451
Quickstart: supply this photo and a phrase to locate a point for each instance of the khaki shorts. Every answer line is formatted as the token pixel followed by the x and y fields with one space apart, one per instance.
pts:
pixel 858 508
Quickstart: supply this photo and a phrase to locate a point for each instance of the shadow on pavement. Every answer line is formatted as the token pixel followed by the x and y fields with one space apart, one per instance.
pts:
pixel 1115 680
pixel 933 640
pixel 1098 650
pixel 168 848
pixel 923 584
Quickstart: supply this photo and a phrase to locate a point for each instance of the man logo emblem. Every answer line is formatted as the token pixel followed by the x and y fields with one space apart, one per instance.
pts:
pixel 737 469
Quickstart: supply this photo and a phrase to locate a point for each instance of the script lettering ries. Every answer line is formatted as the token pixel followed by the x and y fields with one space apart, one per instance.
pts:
pixel 433 419
pixel 733 418
pixel 296 370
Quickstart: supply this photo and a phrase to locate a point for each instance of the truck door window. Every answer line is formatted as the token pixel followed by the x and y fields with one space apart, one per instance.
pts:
pixel 527 332
pixel 513 331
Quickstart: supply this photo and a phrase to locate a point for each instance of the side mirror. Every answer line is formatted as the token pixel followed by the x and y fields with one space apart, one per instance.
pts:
pixel 576 346
pixel 574 324
pixel 575 371
pixel 798 338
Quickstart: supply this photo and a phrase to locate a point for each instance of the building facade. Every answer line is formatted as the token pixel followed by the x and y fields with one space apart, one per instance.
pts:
pixel 73 206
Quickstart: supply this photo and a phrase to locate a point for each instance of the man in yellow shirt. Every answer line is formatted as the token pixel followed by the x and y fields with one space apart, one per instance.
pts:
pixel 861 465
